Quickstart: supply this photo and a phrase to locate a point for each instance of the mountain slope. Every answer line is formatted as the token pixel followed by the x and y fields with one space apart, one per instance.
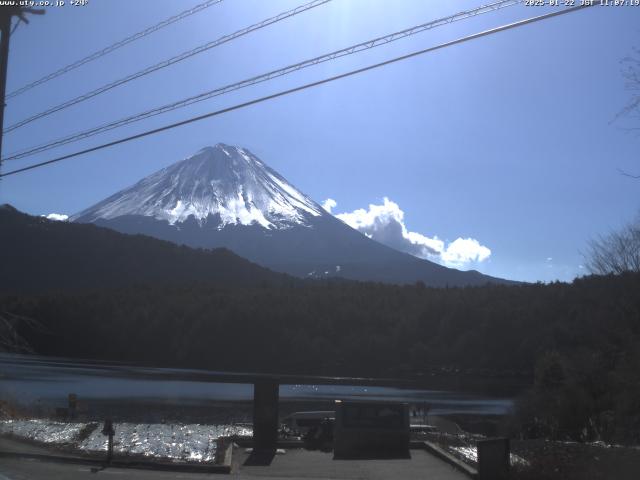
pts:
pixel 40 254
pixel 225 181
pixel 225 196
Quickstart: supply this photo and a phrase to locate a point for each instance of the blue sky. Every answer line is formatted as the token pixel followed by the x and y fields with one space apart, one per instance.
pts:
pixel 507 140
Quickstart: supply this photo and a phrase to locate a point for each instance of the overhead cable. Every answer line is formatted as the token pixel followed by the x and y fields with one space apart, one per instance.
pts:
pixel 114 46
pixel 300 88
pixel 166 63
pixel 369 44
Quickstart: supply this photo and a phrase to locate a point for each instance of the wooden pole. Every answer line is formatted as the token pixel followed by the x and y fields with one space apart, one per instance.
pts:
pixel 5 31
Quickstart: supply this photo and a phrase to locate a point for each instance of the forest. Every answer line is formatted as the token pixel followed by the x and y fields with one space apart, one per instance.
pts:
pixel 579 343
pixel 136 299
pixel 37 255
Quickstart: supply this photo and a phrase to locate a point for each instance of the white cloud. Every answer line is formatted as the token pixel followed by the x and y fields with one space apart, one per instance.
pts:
pixel 58 217
pixel 465 250
pixel 385 224
pixel 328 204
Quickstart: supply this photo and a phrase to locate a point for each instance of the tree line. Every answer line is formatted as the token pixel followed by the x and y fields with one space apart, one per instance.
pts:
pixel 579 343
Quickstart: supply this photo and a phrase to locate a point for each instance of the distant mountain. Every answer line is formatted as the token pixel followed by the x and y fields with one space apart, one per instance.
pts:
pixel 224 196
pixel 39 254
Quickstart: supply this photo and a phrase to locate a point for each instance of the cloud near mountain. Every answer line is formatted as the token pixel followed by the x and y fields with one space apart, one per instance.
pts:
pixel 385 224
pixel 58 217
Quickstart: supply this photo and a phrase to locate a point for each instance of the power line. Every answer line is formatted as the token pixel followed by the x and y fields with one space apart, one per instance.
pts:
pixel 300 88
pixel 6 17
pixel 169 62
pixel 114 46
pixel 262 78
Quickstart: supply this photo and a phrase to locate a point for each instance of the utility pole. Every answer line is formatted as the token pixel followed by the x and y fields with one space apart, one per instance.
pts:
pixel 5 31
pixel 6 15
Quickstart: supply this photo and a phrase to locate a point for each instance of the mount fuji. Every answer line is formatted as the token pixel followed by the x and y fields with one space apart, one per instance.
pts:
pixel 224 196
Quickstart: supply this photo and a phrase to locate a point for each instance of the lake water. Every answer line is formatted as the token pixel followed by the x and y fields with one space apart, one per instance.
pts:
pixel 27 380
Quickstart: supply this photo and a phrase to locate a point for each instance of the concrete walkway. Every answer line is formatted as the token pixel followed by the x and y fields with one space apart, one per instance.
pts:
pixel 23 469
pixel 294 464
pixel 318 465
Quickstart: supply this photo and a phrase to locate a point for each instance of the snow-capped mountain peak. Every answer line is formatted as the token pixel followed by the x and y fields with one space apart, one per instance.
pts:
pixel 224 196
pixel 225 181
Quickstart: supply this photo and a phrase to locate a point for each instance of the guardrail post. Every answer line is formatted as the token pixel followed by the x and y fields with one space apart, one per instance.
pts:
pixel 109 432
pixel 265 414
pixel 493 458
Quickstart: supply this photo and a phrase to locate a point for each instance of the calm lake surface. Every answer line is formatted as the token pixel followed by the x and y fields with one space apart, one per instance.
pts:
pixel 28 380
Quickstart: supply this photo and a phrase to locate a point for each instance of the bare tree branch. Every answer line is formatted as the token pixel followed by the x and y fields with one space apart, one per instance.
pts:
pixel 617 252
pixel 626 174
pixel 10 338
pixel 630 70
